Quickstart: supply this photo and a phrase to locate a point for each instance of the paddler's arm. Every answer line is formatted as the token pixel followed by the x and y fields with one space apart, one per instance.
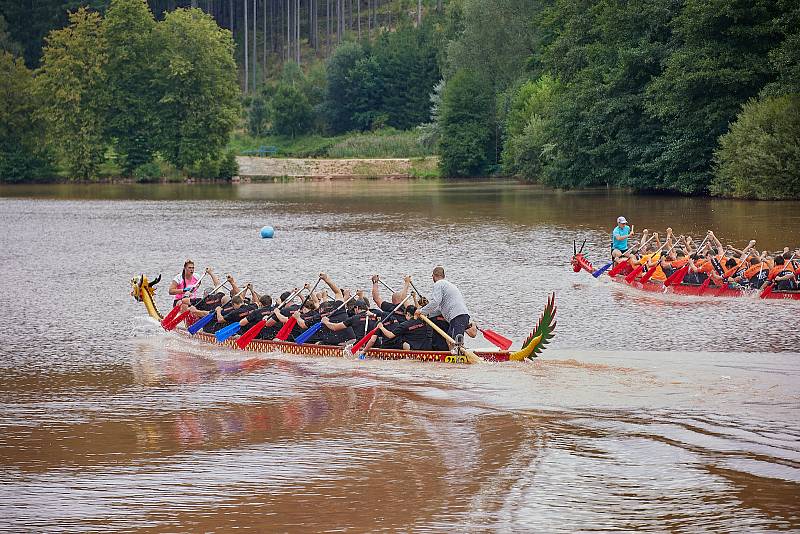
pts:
pixel 386 332
pixel 232 282
pixel 337 293
pixel 434 301
pixel 332 326
pixel 376 291
pixel 214 279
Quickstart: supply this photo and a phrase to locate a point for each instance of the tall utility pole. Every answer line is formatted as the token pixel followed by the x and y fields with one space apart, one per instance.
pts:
pixel 246 43
pixel 419 13
pixel 358 8
pixel 297 29
pixel 288 30
pixel 255 55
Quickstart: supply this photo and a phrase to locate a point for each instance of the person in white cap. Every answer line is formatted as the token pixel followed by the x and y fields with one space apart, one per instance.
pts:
pixel 620 235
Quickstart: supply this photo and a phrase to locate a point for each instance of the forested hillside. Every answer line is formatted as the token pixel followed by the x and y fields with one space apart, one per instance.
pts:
pixel 688 96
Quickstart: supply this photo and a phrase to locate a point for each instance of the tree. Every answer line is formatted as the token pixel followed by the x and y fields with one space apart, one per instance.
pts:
pixel 337 105
pixel 71 85
pixel 196 80
pixel 291 112
pixel 760 156
pixel 467 125
pixel 7 44
pixel 528 128
pixel 22 156
pixel 718 60
pixel 130 117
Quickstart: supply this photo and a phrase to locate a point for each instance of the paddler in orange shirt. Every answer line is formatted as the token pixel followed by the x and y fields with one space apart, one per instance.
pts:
pixel 653 261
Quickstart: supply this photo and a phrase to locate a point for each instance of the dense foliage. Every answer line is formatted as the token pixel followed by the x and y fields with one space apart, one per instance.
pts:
pixel 122 87
pixel 638 93
pixel 760 156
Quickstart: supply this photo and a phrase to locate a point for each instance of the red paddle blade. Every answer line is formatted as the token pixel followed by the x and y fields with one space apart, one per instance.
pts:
pixel 648 274
pixel 284 332
pixel 677 277
pixel 767 290
pixel 361 342
pixel 617 268
pixel 496 339
pixel 251 333
pixel 170 316
pixel 704 285
pixel 634 273
pixel 176 321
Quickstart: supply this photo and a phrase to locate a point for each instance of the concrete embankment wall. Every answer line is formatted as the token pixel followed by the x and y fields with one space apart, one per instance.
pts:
pixel 329 169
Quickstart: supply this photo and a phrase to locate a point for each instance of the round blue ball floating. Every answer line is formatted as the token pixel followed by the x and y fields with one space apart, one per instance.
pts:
pixel 267 232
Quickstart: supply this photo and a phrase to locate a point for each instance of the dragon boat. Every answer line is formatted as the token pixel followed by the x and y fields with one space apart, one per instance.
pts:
pixel 143 291
pixel 581 263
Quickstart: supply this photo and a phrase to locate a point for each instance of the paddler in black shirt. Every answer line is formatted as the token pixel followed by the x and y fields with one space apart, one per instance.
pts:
pixel 414 334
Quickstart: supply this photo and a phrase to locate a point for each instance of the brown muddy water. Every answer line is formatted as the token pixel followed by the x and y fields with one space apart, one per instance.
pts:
pixel 646 413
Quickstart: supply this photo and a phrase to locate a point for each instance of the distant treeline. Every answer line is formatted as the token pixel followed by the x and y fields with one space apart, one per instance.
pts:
pixel 687 96
pixel 690 96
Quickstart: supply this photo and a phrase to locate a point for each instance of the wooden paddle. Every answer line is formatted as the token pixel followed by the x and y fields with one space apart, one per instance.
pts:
pixel 256 329
pixel 471 356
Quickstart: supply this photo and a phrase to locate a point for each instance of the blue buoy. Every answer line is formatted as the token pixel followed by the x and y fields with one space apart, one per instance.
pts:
pixel 267 232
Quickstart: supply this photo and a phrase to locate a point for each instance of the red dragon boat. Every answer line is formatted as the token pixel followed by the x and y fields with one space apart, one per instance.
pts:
pixel 581 263
pixel 143 291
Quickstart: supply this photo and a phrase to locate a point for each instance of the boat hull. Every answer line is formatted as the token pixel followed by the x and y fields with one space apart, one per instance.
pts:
pixel 580 263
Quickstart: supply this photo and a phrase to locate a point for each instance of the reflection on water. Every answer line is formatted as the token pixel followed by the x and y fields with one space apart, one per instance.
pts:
pixel 646 412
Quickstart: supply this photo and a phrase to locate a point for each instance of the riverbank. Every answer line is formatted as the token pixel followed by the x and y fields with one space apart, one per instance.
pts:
pixel 262 168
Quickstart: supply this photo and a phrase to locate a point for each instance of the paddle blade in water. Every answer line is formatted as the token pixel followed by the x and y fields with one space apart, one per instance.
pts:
pixel 767 290
pixel 286 329
pixel 648 274
pixel 170 316
pixel 200 323
pixel 176 321
pixel 632 276
pixel 677 277
pixel 224 333
pixel 704 286
pixel 496 339
pixel 305 336
pixel 602 269
pixel 361 342
pixel 248 336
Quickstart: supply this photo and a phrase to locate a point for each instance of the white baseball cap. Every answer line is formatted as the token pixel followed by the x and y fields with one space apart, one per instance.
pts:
pixel 621 220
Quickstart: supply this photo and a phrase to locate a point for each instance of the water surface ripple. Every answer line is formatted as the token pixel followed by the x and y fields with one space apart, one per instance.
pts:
pixel 646 413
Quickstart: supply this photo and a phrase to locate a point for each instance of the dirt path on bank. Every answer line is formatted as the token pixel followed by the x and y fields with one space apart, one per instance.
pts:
pixel 330 169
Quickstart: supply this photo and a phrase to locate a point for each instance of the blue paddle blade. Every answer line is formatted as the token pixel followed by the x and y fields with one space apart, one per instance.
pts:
pixel 302 338
pixel 224 333
pixel 200 323
pixel 602 269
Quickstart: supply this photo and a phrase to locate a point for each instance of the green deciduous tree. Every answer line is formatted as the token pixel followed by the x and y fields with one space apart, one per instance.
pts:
pixel 196 81
pixel 71 85
pixel 22 155
pixel 338 108
pixel 130 118
pixel 467 125
pixel 760 156
pixel 529 137
pixel 718 60
pixel 291 112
